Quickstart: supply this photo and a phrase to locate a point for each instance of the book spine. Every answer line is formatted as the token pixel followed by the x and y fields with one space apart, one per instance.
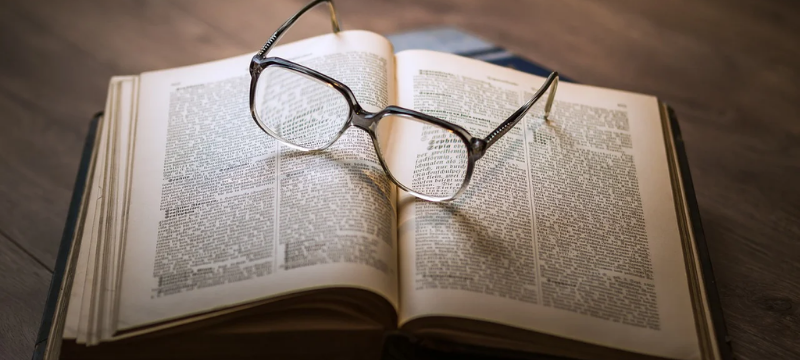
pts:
pixel 67 237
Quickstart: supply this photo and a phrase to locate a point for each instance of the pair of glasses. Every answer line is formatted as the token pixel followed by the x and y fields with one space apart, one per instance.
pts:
pixel 309 111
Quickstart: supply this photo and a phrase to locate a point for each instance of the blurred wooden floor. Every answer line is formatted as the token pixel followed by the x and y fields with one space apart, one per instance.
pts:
pixel 731 70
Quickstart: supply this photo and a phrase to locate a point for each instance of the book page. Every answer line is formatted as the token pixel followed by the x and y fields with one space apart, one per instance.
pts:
pixel 122 116
pixel 96 272
pixel 85 237
pixel 567 228
pixel 223 214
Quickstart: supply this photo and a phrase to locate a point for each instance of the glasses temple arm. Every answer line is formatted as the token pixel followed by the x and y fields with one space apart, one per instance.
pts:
pixel 518 115
pixel 286 25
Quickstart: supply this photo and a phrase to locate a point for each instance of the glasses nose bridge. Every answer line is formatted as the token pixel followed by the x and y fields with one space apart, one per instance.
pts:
pixel 365 120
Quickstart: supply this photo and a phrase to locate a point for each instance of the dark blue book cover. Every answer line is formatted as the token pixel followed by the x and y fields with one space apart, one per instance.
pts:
pixel 455 41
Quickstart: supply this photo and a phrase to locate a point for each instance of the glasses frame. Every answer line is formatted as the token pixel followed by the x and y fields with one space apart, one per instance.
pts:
pixel 368 121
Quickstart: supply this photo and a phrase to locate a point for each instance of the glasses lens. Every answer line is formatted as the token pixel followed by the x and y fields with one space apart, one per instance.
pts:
pixel 299 109
pixel 426 158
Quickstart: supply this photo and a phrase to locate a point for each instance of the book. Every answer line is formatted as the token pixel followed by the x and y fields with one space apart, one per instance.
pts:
pixel 190 266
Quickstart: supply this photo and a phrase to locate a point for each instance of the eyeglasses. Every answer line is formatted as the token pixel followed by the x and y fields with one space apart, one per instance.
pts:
pixel 309 111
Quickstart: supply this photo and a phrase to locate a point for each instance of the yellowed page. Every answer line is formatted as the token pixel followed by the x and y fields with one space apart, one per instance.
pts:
pixel 120 101
pixel 117 194
pixel 99 202
pixel 568 227
pixel 77 288
pixel 222 214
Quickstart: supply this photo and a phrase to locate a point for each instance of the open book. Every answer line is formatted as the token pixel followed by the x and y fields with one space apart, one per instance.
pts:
pixel 200 236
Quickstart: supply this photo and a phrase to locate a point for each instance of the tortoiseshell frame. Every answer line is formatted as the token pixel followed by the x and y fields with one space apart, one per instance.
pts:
pixel 368 121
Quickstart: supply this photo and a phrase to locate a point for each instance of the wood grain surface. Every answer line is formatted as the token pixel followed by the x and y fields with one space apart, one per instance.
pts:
pixel 23 288
pixel 730 69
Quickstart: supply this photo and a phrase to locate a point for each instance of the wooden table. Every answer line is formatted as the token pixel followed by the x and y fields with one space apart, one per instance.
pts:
pixel 731 70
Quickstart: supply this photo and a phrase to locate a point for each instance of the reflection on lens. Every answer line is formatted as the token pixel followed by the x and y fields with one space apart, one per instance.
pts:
pixel 425 158
pixel 299 109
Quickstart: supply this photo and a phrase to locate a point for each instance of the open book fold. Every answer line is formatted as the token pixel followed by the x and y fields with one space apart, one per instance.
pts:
pixel 200 236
